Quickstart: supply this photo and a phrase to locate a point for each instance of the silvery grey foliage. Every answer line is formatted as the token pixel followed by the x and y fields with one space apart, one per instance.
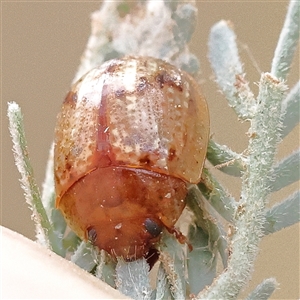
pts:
pixel 219 226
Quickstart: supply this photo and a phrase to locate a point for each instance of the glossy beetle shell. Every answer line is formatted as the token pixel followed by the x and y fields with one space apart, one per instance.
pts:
pixel 130 136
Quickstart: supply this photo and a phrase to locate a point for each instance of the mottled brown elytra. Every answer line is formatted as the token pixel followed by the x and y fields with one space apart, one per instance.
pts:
pixel 130 136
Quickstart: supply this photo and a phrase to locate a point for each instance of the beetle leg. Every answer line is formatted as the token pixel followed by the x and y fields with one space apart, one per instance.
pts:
pixel 181 238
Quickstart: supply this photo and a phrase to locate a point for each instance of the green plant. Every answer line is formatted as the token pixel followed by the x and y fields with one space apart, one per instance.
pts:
pixel 272 115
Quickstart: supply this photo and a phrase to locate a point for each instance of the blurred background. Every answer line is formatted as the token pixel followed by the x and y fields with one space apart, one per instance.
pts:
pixel 42 43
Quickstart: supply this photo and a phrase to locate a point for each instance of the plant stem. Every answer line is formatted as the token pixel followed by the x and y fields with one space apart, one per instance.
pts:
pixel 44 229
pixel 288 42
pixel 265 134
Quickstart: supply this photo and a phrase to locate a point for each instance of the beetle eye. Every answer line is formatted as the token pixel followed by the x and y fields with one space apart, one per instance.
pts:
pixel 152 227
pixel 92 234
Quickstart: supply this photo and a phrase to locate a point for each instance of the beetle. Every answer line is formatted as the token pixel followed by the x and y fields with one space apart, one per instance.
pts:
pixel 131 136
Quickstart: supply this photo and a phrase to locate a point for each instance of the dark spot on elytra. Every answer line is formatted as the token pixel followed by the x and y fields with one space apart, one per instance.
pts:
pixel 68 166
pixel 142 84
pixel 75 97
pixel 145 160
pixel 120 92
pixel 192 106
pixel 160 79
pixel 163 78
pixel 113 67
pixel 172 154
pixel 71 98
